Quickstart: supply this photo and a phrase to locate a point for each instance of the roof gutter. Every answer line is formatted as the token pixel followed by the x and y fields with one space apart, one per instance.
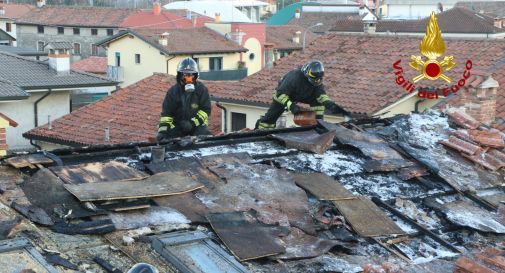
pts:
pixel 70 86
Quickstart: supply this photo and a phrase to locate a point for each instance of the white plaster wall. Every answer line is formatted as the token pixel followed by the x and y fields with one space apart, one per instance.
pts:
pixel 57 104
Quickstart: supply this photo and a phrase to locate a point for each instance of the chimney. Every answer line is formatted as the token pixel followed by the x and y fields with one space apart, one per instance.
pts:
pixel 41 3
pixel 369 26
pixel 269 56
pixel 296 38
pixel 156 8
pixel 164 39
pixel 217 18
pixel 237 36
pixel 479 100
pixel 59 57
pixel 297 13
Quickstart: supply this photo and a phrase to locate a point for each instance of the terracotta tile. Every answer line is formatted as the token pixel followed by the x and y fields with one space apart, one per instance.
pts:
pixel 487 138
pixel 461 145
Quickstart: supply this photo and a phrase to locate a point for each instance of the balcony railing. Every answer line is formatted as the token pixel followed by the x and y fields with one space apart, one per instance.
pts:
pixel 224 75
pixel 115 73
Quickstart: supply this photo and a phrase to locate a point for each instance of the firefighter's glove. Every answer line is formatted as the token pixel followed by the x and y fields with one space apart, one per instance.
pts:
pixel 295 109
pixel 186 126
pixel 334 108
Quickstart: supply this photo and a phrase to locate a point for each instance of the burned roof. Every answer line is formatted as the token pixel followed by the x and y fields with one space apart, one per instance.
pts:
pixel 358 69
pixel 389 199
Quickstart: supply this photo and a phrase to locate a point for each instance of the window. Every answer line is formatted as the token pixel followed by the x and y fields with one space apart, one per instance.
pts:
pixel 251 56
pixel 137 58
pixel 77 49
pixel 118 59
pixel 238 121
pixel 94 50
pixel 40 46
pixel 110 32
pixel 94 31
pixel 216 63
pixel 77 31
pixel 40 29
pixel 8 27
pixel 61 30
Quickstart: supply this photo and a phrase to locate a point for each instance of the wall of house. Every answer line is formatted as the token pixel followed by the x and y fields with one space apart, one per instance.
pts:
pixel 254 40
pixel 230 61
pixel 57 105
pixel 406 106
pixel 13 32
pixel 151 60
pixel 28 38
pixel 253 113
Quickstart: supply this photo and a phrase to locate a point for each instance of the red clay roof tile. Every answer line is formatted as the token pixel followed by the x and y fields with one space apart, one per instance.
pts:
pixel 464 120
pixel 14 11
pixel 93 64
pixel 487 138
pixel 131 114
pixel 359 69
pixel 461 145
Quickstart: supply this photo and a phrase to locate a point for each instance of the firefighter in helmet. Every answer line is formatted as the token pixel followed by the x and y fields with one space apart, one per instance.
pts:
pixel 186 108
pixel 303 85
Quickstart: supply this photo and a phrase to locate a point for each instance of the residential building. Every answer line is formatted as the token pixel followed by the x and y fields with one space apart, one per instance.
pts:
pixel 83 27
pixel 493 9
pixel 356 76
pixel 323 14
pixel 247 11
pixel 94 65
pixel 162 19
pixel 25 52
pixel 251 36
pixel 284 40
pixel 414 9
pixel 34 93
pixel 455 22
pixel 131 114
pixel 5 122
pixel 136 54
pixel 6 39
pixel 9 13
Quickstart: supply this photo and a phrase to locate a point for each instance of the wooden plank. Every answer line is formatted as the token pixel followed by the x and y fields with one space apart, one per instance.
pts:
pixel 28 160
pixel 161 184
pixel 246 239
pixel 366 218
pixel 322 186
pixel 187 204
pixel 97 172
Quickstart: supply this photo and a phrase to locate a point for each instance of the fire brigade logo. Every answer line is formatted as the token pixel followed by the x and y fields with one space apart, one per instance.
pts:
pixel 432 47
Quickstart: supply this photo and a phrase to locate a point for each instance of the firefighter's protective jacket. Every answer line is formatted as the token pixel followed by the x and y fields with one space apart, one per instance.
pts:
pixel 180 105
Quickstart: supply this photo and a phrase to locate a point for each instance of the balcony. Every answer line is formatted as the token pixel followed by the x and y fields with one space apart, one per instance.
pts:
pixel 224 75
pixel 115 73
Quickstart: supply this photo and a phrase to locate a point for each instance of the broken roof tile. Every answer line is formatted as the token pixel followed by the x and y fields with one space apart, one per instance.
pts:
pixel 464 120
pixel 487 138
pixel 461 145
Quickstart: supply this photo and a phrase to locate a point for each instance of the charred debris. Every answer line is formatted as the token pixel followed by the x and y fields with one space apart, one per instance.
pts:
pixel 414 193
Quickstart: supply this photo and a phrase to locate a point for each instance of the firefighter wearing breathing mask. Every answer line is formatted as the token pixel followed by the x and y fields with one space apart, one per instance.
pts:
pixel 303 85
pixel 186 108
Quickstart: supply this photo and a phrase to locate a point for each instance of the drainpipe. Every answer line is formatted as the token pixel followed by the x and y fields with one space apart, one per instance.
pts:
pixel 218 104
pixel 35 145
pixel 36 109
pixel 416 106
pixel 168 60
